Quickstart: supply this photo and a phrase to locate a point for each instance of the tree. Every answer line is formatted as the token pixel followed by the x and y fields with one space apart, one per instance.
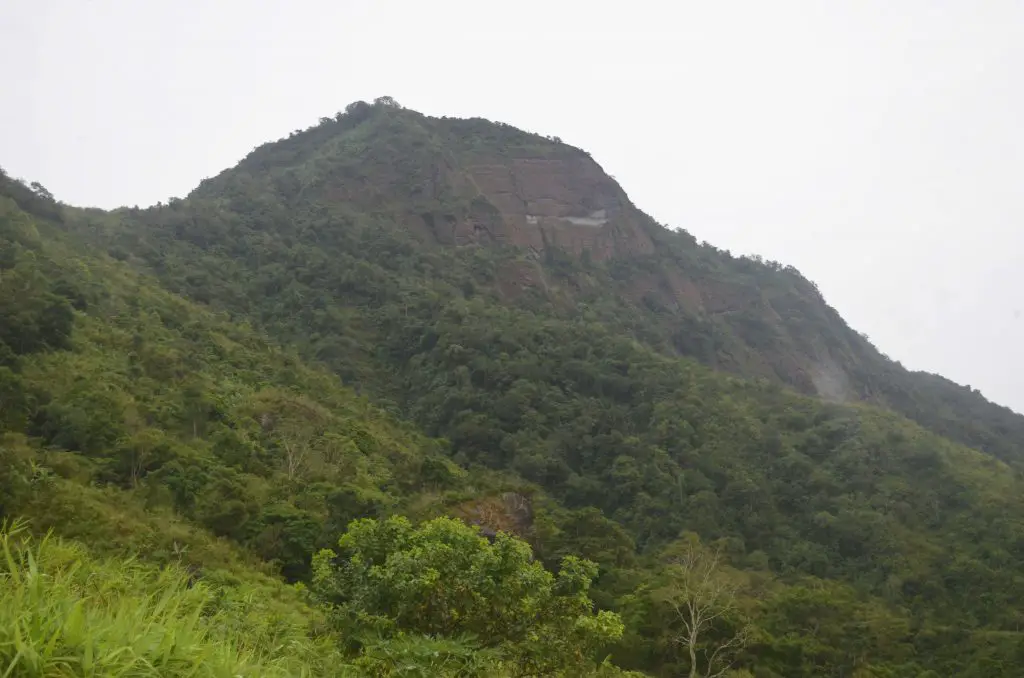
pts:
pixel 198 407
pixel 41 191
pixel 386 101
pixel 357 111
pixel 140 451
pixel 442 579
pixel 704 604
pixel 296 423
pixel 13 403
pixel 16 469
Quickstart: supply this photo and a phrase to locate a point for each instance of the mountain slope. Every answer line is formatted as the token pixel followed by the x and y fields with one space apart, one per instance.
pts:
pixel 425 182
pixel 860 541
pixel 144 428
pixel 112 380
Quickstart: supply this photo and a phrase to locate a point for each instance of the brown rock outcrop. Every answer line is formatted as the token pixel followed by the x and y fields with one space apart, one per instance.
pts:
pixel 565 201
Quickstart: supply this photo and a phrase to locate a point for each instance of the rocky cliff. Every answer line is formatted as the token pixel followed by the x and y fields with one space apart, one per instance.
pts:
pixel 510 187
pixel 563 200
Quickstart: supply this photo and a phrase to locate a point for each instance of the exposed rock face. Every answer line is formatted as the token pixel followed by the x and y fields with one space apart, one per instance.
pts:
pixel 564 201
pixel 457 182
pixel 511 512
pixel 524 191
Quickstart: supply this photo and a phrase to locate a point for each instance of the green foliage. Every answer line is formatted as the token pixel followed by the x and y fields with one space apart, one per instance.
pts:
pixel 426 657
pixel 35 312
pixel 194 414
pixel 443 579
pixel 156 423
pixel 65 613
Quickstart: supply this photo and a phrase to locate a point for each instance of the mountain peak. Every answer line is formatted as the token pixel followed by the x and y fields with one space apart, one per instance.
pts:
pixel 452 181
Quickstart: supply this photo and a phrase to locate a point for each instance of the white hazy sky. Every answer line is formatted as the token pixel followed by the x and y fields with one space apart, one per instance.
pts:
pixel 875 145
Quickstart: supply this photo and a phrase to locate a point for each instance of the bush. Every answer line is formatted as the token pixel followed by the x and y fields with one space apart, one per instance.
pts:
pixel 442 579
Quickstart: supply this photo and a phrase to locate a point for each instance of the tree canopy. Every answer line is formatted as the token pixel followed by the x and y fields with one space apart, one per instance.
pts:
pixel 443 579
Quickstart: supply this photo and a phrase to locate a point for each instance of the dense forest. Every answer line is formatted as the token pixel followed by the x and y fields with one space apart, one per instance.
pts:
pixel 290 426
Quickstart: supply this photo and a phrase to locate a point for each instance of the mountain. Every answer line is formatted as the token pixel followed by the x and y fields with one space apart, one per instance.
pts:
pixel 522 348
pixel 435 182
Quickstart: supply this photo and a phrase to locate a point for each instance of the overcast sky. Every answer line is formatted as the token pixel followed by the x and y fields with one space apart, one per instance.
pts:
pixel 875 145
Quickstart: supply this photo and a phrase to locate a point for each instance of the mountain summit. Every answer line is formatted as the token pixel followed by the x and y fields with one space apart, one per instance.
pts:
pixel 453 182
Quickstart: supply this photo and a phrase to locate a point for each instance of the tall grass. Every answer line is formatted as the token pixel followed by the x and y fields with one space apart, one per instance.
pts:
pixel 66 613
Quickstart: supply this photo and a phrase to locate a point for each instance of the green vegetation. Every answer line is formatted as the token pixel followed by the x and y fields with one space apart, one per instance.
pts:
pixel 444 579
pixel 66 613
pixel 157 435
pixel 653 478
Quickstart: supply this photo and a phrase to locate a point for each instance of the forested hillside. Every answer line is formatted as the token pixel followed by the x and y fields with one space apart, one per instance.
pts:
pixel 155 434
pixel 390 315
pixel 382 187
